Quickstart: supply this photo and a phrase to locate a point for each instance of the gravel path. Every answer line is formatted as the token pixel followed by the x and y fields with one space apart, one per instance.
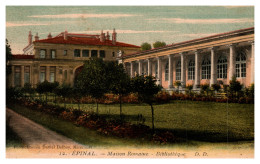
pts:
pixel 33 133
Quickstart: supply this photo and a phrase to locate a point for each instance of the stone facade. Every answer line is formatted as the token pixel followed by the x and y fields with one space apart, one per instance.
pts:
pixel 58 58
pixel 208 60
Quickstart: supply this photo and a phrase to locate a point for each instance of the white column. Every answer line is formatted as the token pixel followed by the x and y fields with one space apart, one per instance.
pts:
pixel 252 62
pixel 183 72
pixel 140 66
pixel 170 71
pixel 231 61
pixel 213 77
pixel 131 69
pixel 197 71
pixel 159 61
pixel 149 64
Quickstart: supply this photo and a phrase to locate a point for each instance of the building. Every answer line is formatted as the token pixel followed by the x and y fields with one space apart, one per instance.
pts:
pixel 59 58
pixel 209 60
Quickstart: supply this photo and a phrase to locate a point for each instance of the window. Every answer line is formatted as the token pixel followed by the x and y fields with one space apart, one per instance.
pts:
pixel 191 70
pixel 17 76
pixel 26 74
pixel 42 54
pixel 178 70
pixel 156 70
pixel 102 53
pixel 241 64
pixel 42 74
pixel 206 66
pixel 52 74
pixel 65 52
pixel 53 54
pixel 222 67
pixel 113 54
pixel 76 53
pixel 94 53
pixel 166 73
pixel 85 53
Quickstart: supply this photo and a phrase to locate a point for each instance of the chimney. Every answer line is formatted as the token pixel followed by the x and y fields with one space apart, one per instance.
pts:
pixel 49 36
pixel 108 36
pixel 102 36
pixel 36 37
pixel 65 34
pixel 114 37
pixel 30 38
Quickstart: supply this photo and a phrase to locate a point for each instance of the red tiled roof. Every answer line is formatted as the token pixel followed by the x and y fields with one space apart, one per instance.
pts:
pixel 73 39
pixel 22 56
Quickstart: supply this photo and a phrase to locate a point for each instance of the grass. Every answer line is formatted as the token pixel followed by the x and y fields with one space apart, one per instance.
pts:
pixel 79 134
pixel 193 121
pixel 202 121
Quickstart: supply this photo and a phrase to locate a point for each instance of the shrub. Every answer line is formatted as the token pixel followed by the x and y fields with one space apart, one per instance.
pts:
pixel 162 97
pixel 215 87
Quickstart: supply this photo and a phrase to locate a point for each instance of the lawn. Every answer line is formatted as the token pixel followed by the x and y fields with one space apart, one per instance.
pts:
pixel 203 121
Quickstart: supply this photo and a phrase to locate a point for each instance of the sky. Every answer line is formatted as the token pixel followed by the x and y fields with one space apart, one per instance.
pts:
pixel 133 24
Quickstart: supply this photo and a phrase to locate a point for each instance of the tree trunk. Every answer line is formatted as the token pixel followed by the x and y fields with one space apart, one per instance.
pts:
pixel 46 98
pixel 79 105
pixel 55 100
pixel 152 116
pixel 120 101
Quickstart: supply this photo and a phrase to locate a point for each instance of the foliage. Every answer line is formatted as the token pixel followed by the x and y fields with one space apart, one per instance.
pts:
pixel 146 88
pixel 204 88
pixel 46 87
pixel 158 44
pixel 64 91
pixel 215 87
pixel 146 46
pixel 92 80
pixel 13 93
pixel 119 80
pixel 234 86
pixel 8 57
pixel 28 88
pixel 189 88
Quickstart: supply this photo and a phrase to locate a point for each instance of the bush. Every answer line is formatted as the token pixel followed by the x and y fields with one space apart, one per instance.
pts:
pixel 215 87
pixel 162 97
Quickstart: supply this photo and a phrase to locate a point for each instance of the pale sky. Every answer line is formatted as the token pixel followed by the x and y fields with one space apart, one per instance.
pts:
pixel 134 25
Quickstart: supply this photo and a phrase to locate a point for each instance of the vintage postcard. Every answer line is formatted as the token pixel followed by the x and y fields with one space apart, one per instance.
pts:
pixel 130 81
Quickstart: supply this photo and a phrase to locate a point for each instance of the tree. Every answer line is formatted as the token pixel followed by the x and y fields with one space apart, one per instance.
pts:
pixel 119 81
pixel 92 79
pixel 46 87
pixel 146 88
pixel 64 91
pixel 215 87
pixel 177 84
pixel 205 88
pixel 28 89
pixel 158 44
pixel 7 58
pixel 234 86
pixel 146 46
pixel 189 88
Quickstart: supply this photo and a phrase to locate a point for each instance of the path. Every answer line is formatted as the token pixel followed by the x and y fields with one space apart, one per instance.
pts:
pixel 33 133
